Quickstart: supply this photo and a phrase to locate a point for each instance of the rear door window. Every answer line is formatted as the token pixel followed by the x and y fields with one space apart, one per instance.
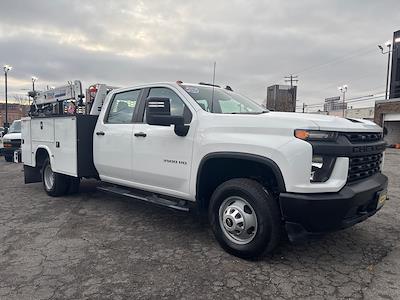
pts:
pixel 122 107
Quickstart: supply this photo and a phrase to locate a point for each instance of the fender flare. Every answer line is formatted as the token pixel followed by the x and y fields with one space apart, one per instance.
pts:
pixel 244 156
pixel 44 147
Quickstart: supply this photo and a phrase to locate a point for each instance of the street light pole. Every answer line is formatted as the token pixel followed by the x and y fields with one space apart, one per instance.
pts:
pixel 343 89
pixel 389 45
pixel 387 74
pixel 34 78
pixel 6 69
pixel 33 83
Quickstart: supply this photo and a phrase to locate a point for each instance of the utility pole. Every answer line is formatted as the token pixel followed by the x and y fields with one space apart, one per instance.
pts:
pixel 292 79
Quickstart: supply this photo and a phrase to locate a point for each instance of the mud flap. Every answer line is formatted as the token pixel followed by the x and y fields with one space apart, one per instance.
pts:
pixel 32 174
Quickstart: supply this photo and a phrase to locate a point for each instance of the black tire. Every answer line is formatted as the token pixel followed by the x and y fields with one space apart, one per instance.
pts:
pixel 60 183
pixel 269 227
pixel 8 158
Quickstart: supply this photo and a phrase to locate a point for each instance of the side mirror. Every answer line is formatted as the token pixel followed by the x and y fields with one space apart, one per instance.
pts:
pixel 158 112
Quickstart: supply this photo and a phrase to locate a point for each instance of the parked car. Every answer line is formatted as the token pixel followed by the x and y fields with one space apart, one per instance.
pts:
pixel 11 141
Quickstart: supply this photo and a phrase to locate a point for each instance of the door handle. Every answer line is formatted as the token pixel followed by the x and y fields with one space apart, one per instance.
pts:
pixel 140 134
pixel 100 133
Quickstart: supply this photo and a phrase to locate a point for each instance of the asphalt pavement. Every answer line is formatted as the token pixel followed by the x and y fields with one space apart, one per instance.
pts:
pixel 94 245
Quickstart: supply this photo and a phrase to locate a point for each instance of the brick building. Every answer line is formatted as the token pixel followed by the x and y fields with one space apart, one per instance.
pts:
pixel 15 111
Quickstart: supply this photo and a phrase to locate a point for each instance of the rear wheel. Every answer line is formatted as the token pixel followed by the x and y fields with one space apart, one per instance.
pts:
pixel 54 184
pixel 245 218
pixel 8 158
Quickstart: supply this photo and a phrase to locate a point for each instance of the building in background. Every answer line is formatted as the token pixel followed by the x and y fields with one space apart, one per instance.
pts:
pixel 366 113
pixel 394 91
pixel 387 115
pixel 281 98
pixel 333 104
pixel 15 112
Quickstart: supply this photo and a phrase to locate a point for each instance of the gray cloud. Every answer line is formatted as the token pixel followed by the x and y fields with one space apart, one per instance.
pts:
pixel 255 43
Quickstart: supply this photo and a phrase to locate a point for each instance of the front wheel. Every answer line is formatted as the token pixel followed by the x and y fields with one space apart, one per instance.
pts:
pixel 8 158
pixel 245 218
pixel 54 184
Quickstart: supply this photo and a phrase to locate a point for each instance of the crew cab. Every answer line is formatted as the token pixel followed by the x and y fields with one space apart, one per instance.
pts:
pixel 258 174
pixel 11 141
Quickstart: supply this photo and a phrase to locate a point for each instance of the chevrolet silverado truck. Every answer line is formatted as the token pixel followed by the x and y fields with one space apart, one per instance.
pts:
pixel 259 174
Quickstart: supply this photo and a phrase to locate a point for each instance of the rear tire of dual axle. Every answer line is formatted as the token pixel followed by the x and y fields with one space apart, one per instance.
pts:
pixel 56 184
pixel 245 218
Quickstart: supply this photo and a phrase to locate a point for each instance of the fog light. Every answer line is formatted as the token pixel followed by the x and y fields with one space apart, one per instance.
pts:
pixel 321 168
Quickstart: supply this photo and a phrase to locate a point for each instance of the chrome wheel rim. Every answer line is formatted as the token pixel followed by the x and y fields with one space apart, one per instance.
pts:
pixel 48 177
pixel 238 220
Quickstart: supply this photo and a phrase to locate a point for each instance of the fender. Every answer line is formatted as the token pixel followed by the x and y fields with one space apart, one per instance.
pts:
pixel 32 173
pixel 48 152
pixel 244 156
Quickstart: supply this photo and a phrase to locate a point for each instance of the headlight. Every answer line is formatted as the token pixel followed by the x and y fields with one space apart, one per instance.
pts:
pixel 315 135
pixel 321 168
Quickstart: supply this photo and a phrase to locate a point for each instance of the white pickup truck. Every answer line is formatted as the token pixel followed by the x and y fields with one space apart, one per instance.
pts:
pixel 258 174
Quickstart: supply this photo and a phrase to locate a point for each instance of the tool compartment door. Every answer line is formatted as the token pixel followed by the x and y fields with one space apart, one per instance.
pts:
pixel 65 146
pixel 26 145
pixel 42 130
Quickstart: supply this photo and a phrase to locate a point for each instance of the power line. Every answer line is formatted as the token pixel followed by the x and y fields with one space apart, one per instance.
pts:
pixel 358 53
pixel 352 100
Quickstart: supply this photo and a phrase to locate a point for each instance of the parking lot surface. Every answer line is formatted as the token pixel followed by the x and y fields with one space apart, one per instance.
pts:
pixel 94 245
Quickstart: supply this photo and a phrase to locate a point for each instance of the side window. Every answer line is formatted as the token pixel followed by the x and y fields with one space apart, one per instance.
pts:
pixel 178 108
pixel 122 107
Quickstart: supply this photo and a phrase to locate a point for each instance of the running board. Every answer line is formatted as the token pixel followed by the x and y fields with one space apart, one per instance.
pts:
pixel 148 197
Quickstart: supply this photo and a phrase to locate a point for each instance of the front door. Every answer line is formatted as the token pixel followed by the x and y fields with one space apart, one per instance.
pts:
pixel 112 141
pixel 162 160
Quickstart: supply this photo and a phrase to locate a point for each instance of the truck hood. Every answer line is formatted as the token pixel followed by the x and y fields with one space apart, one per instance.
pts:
pixel 12 136
pixel 323 122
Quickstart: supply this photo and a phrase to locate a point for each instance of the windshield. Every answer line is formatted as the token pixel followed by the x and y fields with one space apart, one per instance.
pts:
pixel 15 127
pixel 224 101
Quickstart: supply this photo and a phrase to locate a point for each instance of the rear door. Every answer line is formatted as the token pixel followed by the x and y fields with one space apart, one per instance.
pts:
pixel 112 140
pixel 161 159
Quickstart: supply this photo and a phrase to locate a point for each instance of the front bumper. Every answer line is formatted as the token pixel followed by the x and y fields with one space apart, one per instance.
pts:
pixel 308 215
pixel 8 151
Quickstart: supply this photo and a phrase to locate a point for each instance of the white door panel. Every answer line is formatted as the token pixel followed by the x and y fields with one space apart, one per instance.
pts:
pixel 42 129
pixel 162 159
pixel 26 146
pixel 65 148
pixel 112 151
pixel 112 139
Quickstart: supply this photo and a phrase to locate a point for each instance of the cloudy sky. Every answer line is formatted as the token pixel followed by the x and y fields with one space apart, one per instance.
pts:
pixel 255 43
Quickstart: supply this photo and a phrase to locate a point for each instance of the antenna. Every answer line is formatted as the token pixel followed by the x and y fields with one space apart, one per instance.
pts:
pixel 213 82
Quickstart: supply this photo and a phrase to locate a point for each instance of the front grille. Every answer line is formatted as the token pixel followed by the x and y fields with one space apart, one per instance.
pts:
pixel 363 137
pixel 364 166
pixel 12 144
